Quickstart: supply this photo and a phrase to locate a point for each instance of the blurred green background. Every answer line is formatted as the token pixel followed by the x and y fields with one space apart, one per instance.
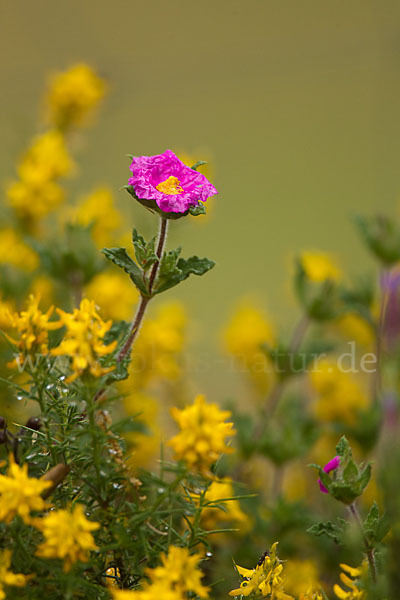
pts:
pixel 296 103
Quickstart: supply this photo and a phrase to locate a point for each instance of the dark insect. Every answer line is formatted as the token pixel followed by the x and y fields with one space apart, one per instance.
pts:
pixel 262 558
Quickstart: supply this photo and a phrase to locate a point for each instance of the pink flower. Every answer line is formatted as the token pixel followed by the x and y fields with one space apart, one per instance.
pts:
pixel 165 180
pixel 330 466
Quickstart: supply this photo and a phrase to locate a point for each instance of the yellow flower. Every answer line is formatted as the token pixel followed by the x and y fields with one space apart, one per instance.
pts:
pixel 34 202
pixel 73 94
pixel 312 593
pixel 20 494
pixel 355 328
pixel 352 582
pixel 97 209
pixel 155 591
pixel 46 159
pixel 180 570
pixel 83 340
pixel 142 446
pixel 319 266
pixel 247 331
pixel 302 578
pixel 67 536
pixel 6 308
pixel 202 437
pixel 177 576
pixel 8 577
pixel 221 494
pixel 158 346
pixel 340 395
pixel 33 327
pixel 14 251
pixel 115 295
pixel 265 580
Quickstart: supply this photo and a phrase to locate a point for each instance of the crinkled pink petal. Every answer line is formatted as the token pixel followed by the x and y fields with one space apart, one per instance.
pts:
pixel 149 171
pixel 330 466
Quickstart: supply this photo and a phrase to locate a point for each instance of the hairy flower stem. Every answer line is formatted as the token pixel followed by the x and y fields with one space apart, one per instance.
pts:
pixel 369 551
pixel 137 321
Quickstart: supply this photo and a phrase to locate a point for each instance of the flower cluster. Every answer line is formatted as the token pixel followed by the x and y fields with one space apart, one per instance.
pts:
pixel 7 577
pixel 72 96
pixel 37 191
pixel 351 578
pixel 20 494
pixel 114 294
pixel 265 580
pixel 84 340
pixel 67 534
pixel 98 210
pixel 203 431
pixel 15 252
pixel 319 267
pixel 177 576
pixel 33 327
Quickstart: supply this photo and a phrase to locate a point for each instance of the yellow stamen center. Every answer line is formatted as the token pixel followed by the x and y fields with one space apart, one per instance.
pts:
pixel 170 186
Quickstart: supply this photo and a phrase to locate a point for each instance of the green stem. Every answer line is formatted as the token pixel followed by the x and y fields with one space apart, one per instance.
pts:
pixel 137 321
pixel 369 551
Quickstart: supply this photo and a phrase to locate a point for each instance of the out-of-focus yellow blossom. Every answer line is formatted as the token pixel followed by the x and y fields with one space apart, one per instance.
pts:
pixel 6 308
pixel 155 591
pixel 14 251
pixel 36 193
pixel 265 580
pixel 301 577
pixel 319 266
pixel 158 346
pixel 351 579
pixel 67 536
pixel 33 327
pixel 355 328
pixel 34 202
pixel 221 494
pixel 43 287
pixel 20 494
pixel 244 336
pixel 114 294
pixel 7 577
pixel 73 94
pixel 340 396
pixel 295 485
pixel 98 209
pixel 84 340
pixel 143 446
pixel 202 434
pixel 311 593
pixel 46 159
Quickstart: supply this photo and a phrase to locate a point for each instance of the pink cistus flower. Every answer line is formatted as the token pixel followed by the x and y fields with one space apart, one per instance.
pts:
pixel 168 182
pixel 330 466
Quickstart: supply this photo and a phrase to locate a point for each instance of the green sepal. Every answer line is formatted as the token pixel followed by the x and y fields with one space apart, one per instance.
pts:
pixel 375 526
pixel 320 301
pixel 121 258
pixel 382 236
pixel 152 205
pixel 198 164
pixel 199 209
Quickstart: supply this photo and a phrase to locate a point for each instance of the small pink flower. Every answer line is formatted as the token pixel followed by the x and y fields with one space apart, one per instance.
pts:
pixel 167 181
pixel 330 466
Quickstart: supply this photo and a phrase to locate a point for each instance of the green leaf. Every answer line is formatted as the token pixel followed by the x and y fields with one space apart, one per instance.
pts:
pixel 121 258
pixel 332 531
pixel 144 251
pixel 173 271
pixel 350 472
